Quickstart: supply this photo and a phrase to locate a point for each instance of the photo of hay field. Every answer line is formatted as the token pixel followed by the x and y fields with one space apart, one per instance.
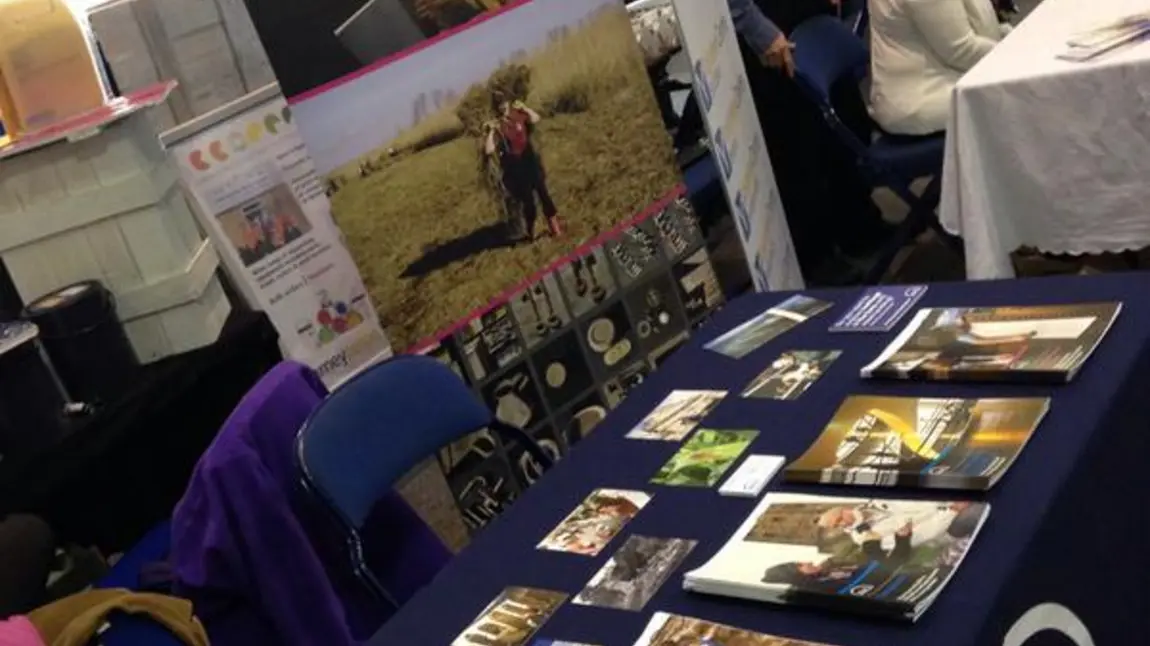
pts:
pixel 425 214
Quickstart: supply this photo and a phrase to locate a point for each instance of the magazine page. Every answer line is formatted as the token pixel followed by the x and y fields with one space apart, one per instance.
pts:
pixel 864 555
pixel 1034 343
pixel 920 442
pixel 511 618
pixel 756 332
pixel 666 629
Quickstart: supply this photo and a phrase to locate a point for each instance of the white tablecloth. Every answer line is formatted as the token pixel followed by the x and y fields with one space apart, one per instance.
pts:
pixel 1049 153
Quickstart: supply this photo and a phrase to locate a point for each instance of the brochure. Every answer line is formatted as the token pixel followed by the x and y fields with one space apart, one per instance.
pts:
pixel 756 332
pixel 596 521
pixel 913 442
pixel 880 308
pixel 703 460
pixel 1033 344
pixel 674 630
pixel 635 573
pixel 791 375
pixel 512 618
pixel 885 558
pixel 677 415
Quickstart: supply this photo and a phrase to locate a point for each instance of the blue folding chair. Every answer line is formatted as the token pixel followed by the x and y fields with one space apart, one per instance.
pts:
pixel 827 52
pixel 375 428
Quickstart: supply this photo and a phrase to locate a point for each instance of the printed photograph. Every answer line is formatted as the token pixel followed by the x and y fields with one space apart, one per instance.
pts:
pixel 920 442
pixel 540 310
pixel 677 415
pixel 265 224
pixel 597 520
pixel 703 460
pixel 635 573
pixel 512 618
pixel 758 331
pixel 679 227
pixel 791 375
pixel 611 339
pixel 656 312
pixel 675 630
pixel 460 170
pixel 587 281
pixel 699 286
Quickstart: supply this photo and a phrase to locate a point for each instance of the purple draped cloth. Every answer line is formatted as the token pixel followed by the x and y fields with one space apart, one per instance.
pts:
pixel 259 563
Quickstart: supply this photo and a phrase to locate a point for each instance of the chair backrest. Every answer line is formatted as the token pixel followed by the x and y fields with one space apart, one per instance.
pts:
pixel 380 424
pixel 826 53
pixel 856 16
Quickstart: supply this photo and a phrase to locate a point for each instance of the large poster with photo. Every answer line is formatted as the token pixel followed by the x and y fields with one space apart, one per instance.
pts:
pixel 507 185
pixel 459 171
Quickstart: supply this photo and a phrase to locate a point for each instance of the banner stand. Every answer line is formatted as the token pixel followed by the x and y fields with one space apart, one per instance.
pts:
pixel 740 151
pixel 257 195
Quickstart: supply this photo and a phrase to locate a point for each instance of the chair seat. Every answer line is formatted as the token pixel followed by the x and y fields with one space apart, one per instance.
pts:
pixel 908 156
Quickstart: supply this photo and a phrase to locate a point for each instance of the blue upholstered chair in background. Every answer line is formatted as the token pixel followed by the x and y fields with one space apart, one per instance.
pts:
pixel 826 53
pixel 378 426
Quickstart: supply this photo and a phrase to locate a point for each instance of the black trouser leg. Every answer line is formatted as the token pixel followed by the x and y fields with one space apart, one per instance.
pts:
pixel 520 182
pixel 27 550
pixel 690 124
pixel 539 186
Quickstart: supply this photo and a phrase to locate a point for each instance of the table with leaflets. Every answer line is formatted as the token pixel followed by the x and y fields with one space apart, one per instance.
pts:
pixel 1058 561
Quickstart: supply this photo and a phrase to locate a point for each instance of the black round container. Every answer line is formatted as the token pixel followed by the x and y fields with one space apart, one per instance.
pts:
pixel 31 396
pixel 85 341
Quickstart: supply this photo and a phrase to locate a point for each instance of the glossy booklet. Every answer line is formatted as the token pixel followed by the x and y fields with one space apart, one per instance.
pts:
pixel 883 558
pixel 1033 344
pixel 920 442
pixel 666 629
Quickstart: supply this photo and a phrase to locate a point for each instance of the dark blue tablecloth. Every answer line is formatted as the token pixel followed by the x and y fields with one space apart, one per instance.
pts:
pixel 1068 522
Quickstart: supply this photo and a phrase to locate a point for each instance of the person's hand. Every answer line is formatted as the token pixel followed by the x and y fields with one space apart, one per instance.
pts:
pixel 905 530
pixel 778 56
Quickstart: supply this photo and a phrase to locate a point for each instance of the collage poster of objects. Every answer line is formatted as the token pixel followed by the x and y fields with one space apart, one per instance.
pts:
pixel 516 210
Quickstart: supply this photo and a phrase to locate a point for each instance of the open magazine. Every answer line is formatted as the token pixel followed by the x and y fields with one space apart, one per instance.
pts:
pixel 913 442
pixel 883 558
pixel 1034 344
pixel 674 630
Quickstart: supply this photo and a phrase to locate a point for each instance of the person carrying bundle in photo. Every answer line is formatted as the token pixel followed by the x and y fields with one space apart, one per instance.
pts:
pixel 508 139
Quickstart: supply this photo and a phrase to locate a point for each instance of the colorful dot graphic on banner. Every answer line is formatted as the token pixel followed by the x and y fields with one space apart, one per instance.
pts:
pixel 237 141
pixel 335 318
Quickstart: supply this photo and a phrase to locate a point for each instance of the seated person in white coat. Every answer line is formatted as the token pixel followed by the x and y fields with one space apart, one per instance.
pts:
pixel 919 51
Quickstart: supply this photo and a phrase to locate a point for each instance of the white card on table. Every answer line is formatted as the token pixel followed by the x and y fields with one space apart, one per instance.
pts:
pixel 752 476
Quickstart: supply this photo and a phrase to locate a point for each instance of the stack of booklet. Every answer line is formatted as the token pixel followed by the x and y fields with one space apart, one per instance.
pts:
pixel 883 558
pixel 920 442
pixel 1047 343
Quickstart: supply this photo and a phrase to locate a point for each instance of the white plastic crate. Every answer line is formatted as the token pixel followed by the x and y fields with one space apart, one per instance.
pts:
pixel 111 208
